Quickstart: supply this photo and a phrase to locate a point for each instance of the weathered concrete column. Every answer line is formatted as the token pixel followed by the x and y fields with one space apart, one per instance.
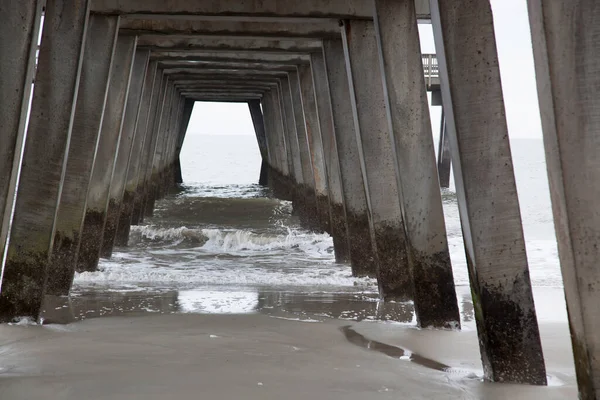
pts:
pixel 18 34
pixel 337 212
pixel 414 158
pixel 188 107
pixel 485 187
pixel 566 53
pixel 282 145
pixel 106 155
pixel 273 129
pixel 151 169
pixel 261 138
pixel 174 176
pixel 362 256
pixel 291 134
pixel 166 175
pixel 139 202
pixel 444 160
pixel 376 154
pixel 142 135
pixel 25 271
pixel 309 215
pixel 289 179
pixel 313 133
pixel 163 148
pixel 93 89
pixel 125 153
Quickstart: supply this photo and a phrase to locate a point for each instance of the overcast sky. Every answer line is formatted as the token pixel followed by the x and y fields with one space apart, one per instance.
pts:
pixel 516 67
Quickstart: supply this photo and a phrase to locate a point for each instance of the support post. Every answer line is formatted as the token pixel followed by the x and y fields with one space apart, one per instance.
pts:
pixel 93 89
pixel 44 160
pixel 377 162
pixel 142 137
pixel 188 108
pixel 362 256
pixel 18 36
pixel 444 157
pixel 275 152
pixel 291 135
pixel 337 212
pixel 309 215
pixel 509 338
pixel 414 160
pixel 154 160
pixel 566 54
pixel 106 155
pixel 124 155
pixel 259 131
pixel 315 143
pixel 139 203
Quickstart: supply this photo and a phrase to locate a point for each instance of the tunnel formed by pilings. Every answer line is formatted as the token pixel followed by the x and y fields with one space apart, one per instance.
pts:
pixel 337 92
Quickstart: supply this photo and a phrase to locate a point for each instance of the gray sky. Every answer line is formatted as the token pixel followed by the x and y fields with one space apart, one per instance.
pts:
pixel 516 67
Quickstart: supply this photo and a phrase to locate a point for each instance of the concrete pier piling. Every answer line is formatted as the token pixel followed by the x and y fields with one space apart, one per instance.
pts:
pixel 308 207
pixel 186 113
pixel 315 144
pixel 128 142
pixel 149 193
pixel 136 164
pixel 17 66
pixel 362 257
pixel 565 49
pixel 444 158
pixel 139 202
pixel 414 158
pixel 297 178
pixel 92 92
pixel 50 124
pixel 376 155
pixel 338 227
pixel 337 92
pixel 106 156
pixel 485 187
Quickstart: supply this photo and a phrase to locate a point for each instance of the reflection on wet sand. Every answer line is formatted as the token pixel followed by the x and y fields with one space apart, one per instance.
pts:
pixel 346 306
pixel 391 351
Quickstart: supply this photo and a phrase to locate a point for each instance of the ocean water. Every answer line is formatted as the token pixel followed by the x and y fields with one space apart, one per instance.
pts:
pixel 223 244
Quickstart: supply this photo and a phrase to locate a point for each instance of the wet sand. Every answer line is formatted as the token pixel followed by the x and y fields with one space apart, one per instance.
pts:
pixel 277 351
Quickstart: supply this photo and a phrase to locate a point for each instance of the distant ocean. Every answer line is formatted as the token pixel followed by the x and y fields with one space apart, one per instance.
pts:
pixel 222 234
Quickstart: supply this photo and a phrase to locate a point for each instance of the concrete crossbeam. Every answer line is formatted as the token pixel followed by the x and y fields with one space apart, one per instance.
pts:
pixel 252 10
pixel 221 87
pixel 325 29
pixel 242 93
pixel 216 99
pixel 194 43
pixel 248 10
pixel 240 55
pixel 230 64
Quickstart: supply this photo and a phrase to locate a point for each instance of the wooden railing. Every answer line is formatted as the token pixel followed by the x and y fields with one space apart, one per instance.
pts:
pixel 430 68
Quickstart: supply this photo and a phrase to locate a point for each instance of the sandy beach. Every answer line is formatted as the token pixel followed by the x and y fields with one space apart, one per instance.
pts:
pixel 268 354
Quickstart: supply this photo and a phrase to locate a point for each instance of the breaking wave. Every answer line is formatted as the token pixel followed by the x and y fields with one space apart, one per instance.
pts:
pixel 234 240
